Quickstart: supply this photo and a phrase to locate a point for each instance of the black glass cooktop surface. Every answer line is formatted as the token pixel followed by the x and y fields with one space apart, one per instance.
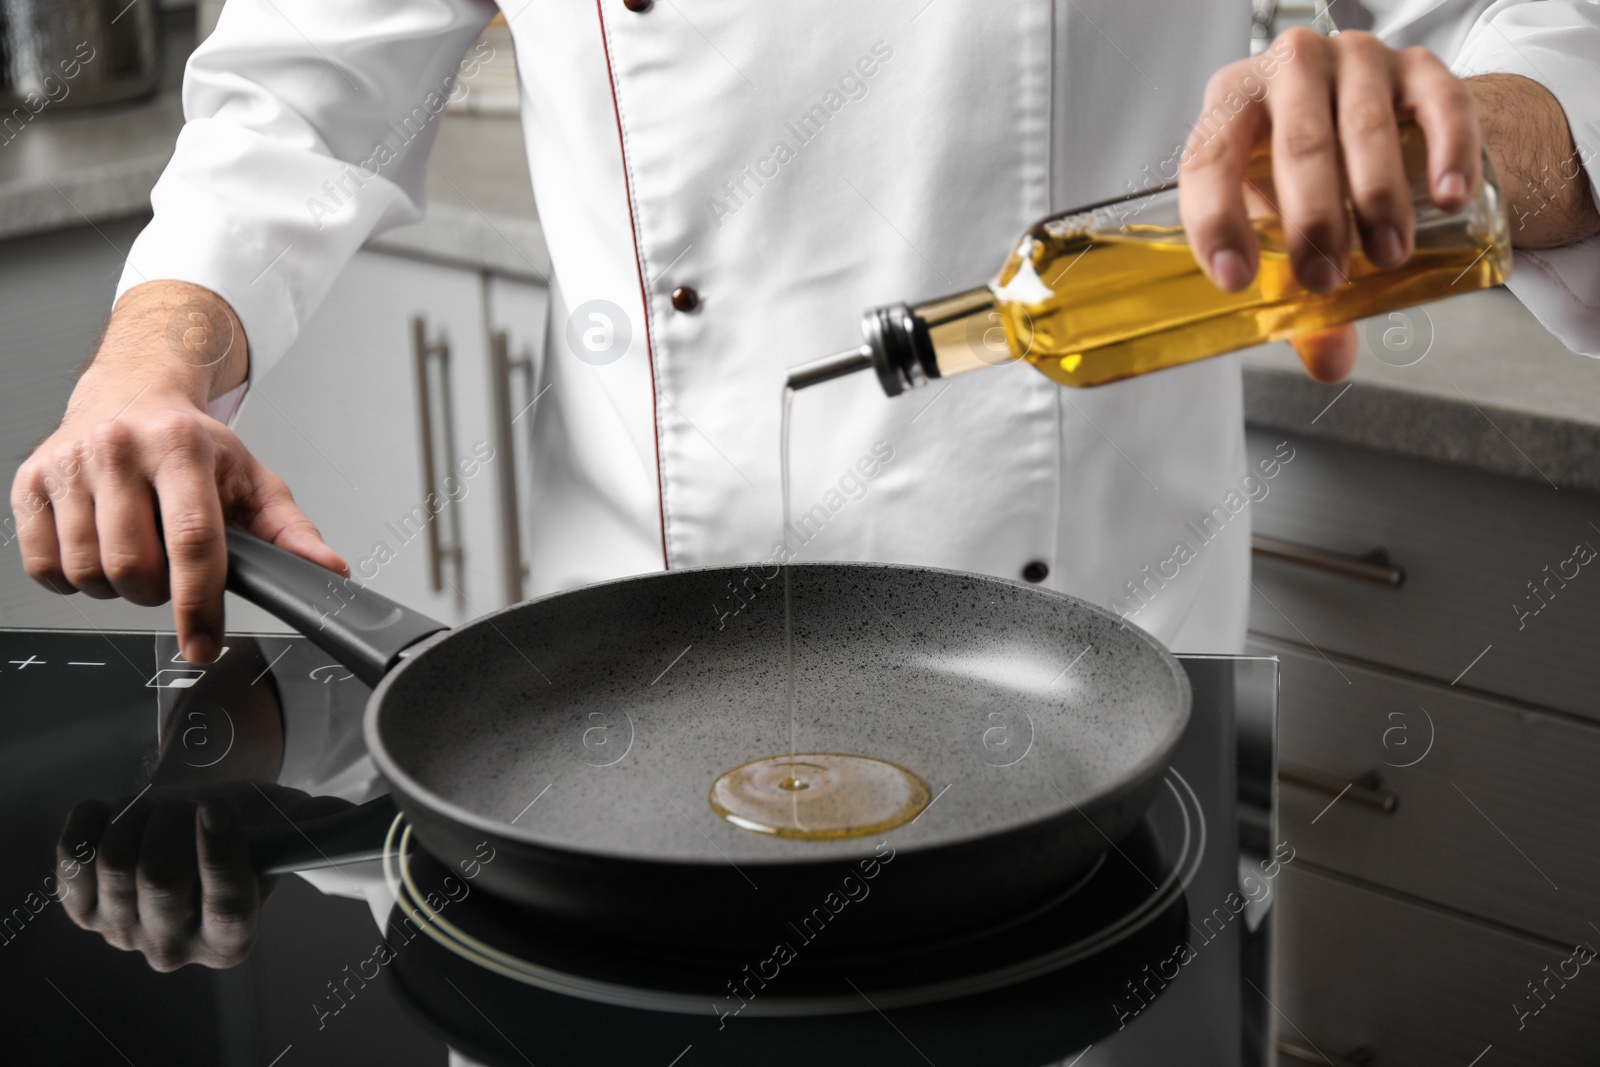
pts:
pixel 1154 957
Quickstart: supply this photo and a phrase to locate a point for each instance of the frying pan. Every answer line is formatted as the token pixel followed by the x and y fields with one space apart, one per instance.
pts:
pixel 575 739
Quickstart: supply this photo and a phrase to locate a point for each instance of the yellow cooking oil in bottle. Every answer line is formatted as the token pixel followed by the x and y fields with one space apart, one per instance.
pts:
pixel 1114 291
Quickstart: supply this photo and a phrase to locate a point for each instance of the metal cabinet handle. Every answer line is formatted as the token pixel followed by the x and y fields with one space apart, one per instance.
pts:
pixel 1366 791
pixel 1297 1053
pixel 1374 567
pixel 514 568
pixel 424 353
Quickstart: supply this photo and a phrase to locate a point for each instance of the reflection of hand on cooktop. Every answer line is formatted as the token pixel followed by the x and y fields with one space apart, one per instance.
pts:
pixel 168 873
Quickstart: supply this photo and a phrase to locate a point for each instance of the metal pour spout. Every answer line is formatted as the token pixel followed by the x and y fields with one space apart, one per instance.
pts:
pixel 899 343
pixel 831 367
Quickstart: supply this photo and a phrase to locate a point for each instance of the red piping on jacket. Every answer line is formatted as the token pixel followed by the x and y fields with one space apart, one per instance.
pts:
pixel 644 296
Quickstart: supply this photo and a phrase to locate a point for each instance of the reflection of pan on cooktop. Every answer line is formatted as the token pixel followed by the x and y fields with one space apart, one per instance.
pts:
pixel 505 990
pixel 488 734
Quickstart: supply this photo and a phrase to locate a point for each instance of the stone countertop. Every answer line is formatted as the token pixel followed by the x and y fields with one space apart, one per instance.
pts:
pixel 69 168
pixel 1494 390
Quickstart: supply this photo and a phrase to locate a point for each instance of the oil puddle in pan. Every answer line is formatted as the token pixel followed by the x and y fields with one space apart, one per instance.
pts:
pixel 819 796
pixel 822 795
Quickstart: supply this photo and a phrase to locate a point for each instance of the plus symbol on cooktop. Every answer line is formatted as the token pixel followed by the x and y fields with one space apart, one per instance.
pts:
pixel 23 664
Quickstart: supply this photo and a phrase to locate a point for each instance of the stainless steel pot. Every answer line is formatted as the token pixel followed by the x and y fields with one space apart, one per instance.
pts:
pixel 75 53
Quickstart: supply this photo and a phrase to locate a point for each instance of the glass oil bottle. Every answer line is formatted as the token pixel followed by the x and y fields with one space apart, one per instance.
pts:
pixel 1114 291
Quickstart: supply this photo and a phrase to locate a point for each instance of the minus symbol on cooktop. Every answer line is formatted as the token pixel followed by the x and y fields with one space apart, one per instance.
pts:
pixel 84 663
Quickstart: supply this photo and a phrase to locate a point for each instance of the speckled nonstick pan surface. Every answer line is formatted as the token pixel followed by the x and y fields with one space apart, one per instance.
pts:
pixel 578 737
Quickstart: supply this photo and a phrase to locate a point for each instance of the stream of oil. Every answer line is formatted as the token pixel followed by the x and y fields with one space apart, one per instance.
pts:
pixel 784 422
pixel 816 795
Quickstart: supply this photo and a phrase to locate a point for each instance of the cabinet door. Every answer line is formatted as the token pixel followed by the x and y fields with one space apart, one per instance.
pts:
pixel 379 420
pixel 1484 807
pixel 1368 978
pixel 518 316
pixel 1475 581
pixel 55 295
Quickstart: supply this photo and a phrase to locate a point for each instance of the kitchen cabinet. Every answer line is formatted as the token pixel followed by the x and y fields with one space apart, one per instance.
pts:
pixel 398 420
pixel 387 420
pixel 517 314
pixel 1381 980
pixel 1475 804
pixel 1438 736
pixel 1493 594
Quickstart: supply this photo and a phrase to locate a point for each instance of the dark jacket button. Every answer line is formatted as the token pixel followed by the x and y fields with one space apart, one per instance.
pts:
pixel 640 6
pixel 1036 571
pixel 685 298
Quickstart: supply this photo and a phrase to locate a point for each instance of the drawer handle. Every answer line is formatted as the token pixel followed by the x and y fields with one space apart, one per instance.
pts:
pixel 425 352
pixel 1373 567
pixel 1366 791
pixel 1296 1053
pixel 505 365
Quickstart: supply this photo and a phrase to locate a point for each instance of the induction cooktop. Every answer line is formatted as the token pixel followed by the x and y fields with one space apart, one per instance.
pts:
pixel 1156 956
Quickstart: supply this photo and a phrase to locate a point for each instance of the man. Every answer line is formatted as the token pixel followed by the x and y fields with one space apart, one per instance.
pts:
pixel 739 181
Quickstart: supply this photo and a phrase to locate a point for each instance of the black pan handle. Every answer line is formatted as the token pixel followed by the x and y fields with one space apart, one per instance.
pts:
pixel 364 630
pixel 354 835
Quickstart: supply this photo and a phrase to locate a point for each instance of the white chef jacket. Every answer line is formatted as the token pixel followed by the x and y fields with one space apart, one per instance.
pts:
pixel 796 163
